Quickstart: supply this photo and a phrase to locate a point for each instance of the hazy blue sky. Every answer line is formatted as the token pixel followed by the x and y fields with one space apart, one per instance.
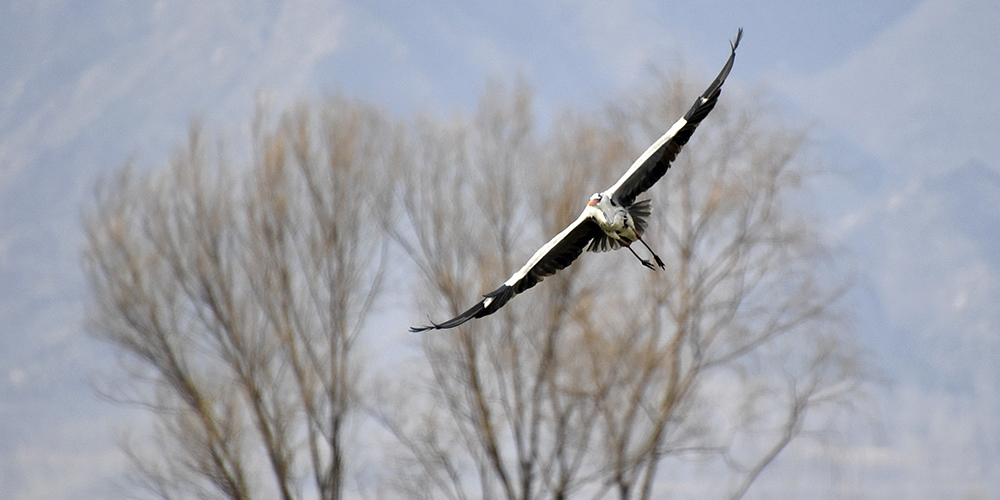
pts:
pixel 901 95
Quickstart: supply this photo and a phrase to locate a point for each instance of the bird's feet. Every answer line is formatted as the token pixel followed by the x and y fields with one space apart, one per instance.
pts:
pixel 651 252
pixel 658 262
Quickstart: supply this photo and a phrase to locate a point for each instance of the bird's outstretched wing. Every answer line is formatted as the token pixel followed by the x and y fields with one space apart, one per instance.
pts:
pixel 653 163
pixel 558 253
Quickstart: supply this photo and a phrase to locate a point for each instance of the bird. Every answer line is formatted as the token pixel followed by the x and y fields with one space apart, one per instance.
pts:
pixel 612 218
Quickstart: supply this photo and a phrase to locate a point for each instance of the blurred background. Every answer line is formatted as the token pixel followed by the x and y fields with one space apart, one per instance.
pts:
pixel 898 97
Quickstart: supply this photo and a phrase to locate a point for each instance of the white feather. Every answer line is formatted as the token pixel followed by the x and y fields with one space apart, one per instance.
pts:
pixel 546 248
pixel 669 134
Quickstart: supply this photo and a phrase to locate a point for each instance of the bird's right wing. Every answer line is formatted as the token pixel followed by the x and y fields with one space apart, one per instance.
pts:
pixel 558 253
pixel 654 162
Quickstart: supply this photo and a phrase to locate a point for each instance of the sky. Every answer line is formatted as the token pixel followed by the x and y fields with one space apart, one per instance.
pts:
pixel 900 97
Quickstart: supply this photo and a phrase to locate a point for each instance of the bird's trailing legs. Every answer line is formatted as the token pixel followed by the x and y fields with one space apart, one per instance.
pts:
pixel 645 262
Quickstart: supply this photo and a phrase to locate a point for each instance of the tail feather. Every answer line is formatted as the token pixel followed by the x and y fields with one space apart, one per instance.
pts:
pixel 640 211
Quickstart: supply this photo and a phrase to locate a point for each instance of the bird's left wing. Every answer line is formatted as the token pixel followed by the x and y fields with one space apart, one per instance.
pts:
pixel 654 162
pixel 558 253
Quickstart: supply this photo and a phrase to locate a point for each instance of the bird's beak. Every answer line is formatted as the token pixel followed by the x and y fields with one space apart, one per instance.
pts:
pixel 592 202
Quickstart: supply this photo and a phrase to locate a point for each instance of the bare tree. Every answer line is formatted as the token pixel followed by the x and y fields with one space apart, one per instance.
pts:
pixel 497 389
pixel 236 297
pixel 591 382
pixel 744 316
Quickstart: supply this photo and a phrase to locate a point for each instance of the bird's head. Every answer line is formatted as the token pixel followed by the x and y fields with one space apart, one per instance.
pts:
pixel 594 199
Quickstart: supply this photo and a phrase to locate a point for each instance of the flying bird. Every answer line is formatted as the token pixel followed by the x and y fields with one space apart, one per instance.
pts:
pixel 612 219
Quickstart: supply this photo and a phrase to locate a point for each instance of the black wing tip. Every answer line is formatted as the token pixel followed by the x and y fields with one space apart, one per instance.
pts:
pixel 431 326
pixel 736 41
pixel 472 312
pixel 419 329
pixel 439 326
pixel 497 298
pixel 451 323
pixel 698 111
pixel 706 102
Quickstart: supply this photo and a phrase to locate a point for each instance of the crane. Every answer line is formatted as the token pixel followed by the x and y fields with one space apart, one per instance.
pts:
pixel 612 219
